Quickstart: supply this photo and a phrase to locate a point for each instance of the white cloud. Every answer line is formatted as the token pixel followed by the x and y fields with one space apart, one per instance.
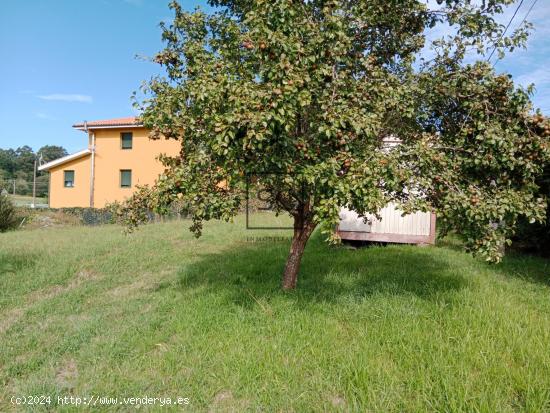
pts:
pixel 539 77
pixel 42 115
pixel 67 97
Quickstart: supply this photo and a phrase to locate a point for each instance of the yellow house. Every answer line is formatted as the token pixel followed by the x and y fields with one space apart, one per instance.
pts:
pixel 119 156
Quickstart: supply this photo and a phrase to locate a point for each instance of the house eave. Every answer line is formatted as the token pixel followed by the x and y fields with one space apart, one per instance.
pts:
pixel 122 126
pixel 65 159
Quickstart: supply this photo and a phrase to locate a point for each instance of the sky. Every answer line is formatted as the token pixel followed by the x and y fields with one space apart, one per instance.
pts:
pixel 65 61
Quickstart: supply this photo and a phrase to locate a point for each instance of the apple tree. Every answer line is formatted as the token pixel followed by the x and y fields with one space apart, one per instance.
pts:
pixel 302 97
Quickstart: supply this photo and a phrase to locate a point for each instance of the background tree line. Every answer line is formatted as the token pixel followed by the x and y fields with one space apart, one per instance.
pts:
pixel 17 165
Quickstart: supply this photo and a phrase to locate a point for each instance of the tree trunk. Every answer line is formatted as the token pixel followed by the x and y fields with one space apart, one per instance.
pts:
pixel 302 232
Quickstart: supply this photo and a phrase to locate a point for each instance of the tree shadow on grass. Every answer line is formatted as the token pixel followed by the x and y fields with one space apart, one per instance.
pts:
pixel 328 274
pixel 526 267
pixel 517 264
pixel 15 262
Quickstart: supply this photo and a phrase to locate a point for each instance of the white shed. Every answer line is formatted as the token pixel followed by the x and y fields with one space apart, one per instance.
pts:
pixel 417 228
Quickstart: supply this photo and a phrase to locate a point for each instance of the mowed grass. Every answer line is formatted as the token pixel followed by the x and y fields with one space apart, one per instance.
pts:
pixel 90 311
pixel 26 200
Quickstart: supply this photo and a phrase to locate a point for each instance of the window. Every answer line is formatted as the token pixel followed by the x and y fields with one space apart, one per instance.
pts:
pixel 125 178
pixel 126 140
pixel 68 179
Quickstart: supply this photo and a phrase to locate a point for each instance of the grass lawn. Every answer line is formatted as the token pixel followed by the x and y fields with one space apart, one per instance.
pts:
pixel 90 311
pixel 24 200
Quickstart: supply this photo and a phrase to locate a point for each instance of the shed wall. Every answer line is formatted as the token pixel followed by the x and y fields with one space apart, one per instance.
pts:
pixel 392 227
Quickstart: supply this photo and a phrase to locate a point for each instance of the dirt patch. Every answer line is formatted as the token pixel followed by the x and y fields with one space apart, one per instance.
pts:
pixel 77 319
pixel 338 402
pixel 86 275
pixel 225 401
pixel 146 283
pixel 159 349
pixel 47 293
pixel 126 290
pixel 10 318
pixel 67 374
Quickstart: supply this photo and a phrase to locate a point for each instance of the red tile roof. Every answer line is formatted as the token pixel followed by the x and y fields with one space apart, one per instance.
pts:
pixel 130 121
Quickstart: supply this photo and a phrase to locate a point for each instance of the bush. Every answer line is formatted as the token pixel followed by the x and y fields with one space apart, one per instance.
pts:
pixel 90 216
pixel 535 238
pixel 8 215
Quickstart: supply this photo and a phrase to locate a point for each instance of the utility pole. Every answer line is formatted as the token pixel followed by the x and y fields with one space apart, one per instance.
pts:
pixel 34 185
pixel 14 187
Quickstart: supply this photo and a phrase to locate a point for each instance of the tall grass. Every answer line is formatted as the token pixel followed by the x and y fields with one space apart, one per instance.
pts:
pixel 399 328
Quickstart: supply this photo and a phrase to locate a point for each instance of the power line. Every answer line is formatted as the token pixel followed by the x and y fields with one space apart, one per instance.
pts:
pixel 495 44
pixel 494 48
pixel 523 21
pixel 528 12
pixel 505 30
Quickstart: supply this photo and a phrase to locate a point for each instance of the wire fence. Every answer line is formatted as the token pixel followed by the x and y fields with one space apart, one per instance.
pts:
pixel 21 192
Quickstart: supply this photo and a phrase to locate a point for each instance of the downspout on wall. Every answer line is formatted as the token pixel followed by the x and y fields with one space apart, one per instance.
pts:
pixel 92 166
